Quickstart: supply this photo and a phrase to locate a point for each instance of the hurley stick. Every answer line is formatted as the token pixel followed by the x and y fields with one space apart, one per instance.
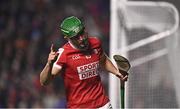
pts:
pixel 123 66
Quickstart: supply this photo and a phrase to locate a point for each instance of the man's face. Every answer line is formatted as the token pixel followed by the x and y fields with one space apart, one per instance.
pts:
pixel 80 41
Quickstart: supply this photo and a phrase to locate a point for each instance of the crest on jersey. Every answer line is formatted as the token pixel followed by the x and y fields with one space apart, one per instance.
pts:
pixel 88 56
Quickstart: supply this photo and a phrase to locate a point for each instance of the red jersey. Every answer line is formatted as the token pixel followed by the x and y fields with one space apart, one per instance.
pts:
pixel 81 75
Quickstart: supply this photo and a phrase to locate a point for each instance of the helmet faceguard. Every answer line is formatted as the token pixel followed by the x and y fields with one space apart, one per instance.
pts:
pixel 80 41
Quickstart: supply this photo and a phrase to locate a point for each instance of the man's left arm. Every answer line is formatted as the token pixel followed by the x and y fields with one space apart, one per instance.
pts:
pixel 106 63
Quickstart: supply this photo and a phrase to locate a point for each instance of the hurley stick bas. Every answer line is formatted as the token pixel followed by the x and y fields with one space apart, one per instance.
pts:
pixel 123 66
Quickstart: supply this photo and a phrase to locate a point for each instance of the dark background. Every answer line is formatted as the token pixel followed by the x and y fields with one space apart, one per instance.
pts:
pixel 27 29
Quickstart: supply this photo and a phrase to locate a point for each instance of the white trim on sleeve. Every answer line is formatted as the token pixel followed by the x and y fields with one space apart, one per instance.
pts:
pixel 60 51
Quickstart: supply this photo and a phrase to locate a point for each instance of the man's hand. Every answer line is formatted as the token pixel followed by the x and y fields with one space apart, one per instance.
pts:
pixel 122 75
pixel 52 55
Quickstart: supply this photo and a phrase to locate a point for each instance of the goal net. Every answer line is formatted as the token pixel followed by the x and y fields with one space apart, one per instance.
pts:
pixel 147 34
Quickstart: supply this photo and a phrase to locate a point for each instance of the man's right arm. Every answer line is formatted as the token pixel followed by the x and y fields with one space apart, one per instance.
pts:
pixel 49 71
pixel 45 75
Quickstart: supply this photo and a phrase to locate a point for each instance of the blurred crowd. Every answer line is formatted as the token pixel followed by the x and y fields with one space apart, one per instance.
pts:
pixel 27 29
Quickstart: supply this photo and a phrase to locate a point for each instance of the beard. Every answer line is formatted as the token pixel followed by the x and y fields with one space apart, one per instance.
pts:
pixel 82 46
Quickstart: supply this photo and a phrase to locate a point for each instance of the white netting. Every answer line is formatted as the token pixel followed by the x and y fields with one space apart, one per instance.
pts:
pixel 150 30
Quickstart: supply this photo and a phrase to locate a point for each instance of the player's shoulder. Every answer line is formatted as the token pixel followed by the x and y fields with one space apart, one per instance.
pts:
pixel 63 48
pixel 60 50
pixel 94 40
pixel 68 48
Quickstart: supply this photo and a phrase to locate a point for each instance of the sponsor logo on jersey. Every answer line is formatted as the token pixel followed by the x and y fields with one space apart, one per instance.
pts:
pixel 88 70
pixel 74 57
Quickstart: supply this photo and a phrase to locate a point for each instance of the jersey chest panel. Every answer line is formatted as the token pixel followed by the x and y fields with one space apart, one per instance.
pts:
pixel 83 66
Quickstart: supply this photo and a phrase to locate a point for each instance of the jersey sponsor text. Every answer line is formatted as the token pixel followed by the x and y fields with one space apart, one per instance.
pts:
pixel 88 70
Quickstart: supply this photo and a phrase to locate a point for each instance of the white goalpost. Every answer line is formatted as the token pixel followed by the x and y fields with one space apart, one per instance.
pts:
pixel 139 31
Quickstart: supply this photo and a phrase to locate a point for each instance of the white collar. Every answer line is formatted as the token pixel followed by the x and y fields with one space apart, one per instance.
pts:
pixel 72 45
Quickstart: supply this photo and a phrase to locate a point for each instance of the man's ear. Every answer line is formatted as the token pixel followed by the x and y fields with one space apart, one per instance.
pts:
pixel 65 37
